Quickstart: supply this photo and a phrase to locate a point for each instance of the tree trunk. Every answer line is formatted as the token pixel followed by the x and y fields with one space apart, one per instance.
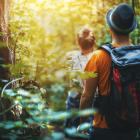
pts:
pixel 5 57
pixel 4 51
pixel 133 4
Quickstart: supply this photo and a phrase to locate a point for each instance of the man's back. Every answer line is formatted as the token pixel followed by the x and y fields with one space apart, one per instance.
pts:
pixel 100 63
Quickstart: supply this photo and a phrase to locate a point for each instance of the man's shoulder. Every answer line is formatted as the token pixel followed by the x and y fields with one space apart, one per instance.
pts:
pixel 100 53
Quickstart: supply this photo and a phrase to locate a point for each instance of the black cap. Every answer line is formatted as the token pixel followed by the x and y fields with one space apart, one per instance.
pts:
pixel 122 19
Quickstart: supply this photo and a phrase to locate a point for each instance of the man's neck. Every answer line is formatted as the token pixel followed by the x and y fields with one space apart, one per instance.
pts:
pixel 121 41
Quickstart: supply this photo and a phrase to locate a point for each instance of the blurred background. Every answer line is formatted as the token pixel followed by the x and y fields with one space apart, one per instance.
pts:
pixel 39 33
pixel 43 31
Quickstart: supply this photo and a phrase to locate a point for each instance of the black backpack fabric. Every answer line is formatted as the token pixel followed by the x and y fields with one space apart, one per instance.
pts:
pixel 121 107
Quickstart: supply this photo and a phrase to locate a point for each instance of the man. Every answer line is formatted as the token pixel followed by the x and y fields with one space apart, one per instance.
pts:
pixel 121 21
pixel 78 59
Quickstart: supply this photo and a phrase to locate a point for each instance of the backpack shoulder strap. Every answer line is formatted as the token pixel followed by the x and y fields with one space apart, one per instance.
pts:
pixel 107 47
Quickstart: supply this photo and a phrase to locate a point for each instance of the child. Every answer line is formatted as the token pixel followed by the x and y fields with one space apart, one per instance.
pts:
pixel 86 42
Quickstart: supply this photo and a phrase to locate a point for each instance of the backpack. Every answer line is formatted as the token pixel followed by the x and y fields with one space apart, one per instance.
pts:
pixel 122 106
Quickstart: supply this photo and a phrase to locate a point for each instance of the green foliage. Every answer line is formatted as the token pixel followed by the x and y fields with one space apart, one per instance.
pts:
pixel 42 32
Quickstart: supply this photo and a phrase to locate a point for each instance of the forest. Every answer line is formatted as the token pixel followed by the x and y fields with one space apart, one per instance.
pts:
pixel 35 36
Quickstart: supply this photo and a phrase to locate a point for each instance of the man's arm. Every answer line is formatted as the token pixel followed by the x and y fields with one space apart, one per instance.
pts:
pixel 90 86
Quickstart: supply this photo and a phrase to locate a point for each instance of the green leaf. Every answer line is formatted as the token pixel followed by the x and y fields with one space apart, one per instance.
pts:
pixel 57 136
pixel 87 112
pixel 9 92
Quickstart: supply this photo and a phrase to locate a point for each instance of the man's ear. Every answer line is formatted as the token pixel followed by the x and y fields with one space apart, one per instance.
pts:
pixel 111 32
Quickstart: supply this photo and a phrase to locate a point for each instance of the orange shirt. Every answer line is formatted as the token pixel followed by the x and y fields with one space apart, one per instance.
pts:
pixel 100 63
